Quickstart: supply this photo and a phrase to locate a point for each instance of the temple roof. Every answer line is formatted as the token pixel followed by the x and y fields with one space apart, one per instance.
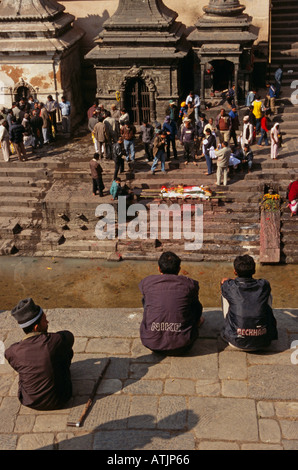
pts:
pixel 141 30
pixel 134 14
pixel 36 26
pixel 24 10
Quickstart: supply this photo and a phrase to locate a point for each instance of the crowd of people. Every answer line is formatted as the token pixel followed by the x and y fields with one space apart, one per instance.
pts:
pixel 224 142
pixel 30 123
pixel 170 325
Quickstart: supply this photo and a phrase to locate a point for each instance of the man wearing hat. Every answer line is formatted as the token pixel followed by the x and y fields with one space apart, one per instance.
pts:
pixel 41 359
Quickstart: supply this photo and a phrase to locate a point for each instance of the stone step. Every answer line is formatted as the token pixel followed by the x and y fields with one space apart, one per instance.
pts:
pixel 21 181
pixel 25 172
pixel 32 202
pixel 26 192
pixel 14 212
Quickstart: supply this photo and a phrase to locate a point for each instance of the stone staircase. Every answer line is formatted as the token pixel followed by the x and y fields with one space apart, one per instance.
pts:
pixel 47 207
pixel 23 186
pixel 285 39
pixel 230 224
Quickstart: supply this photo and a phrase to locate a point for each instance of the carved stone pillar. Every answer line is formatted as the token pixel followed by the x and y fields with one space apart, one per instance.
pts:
pixel 224 7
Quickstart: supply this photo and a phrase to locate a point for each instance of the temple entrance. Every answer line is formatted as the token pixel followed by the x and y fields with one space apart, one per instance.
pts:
pixel 137 101
pixel 22 92
pixel 223 74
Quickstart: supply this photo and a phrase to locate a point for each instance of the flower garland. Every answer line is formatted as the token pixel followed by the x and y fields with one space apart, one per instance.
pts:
pixel 270 202
pixel 185 192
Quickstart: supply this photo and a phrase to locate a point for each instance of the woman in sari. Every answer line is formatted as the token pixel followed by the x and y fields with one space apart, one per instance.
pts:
pixel 275 132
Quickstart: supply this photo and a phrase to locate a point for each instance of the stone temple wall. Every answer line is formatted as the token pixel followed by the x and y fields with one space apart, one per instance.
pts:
pixel 91 14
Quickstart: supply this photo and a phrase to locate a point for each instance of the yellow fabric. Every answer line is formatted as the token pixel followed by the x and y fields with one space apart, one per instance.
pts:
pixel 257 110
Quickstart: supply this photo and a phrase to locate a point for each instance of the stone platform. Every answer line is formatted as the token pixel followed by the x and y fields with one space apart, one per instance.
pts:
pixel 213 398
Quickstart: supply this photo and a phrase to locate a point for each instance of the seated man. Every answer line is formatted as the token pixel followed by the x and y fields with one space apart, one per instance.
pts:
pixel 172 310
pixel 42 360
pixel 249 321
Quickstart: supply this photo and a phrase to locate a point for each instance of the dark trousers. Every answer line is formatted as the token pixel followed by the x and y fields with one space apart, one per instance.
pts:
pixel 119 165
pixel 169 141
pixel 189 151
pixel 233 136
pixel 209 162
pixel 148 151
pixel 97 184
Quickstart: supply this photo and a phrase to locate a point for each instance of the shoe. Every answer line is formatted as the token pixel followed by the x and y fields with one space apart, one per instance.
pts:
pixel 185 163
pixel 195 163
pixel 164 172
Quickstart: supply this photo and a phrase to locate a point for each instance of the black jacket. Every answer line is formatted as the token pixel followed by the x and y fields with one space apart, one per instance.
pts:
pixel 16 133
pixel 249 323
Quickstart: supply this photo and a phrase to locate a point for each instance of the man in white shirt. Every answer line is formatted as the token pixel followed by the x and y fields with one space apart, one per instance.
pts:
pixel 196 102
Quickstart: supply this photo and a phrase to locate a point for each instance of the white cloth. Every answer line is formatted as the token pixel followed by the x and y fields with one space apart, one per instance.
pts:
pixel 4 140
pixel 233 161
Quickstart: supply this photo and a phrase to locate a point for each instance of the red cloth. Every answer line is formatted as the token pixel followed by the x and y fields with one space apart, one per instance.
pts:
pixel 264 124
pixel 293 191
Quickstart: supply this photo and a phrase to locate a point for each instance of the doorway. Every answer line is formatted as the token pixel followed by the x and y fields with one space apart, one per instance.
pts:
pixel 22 92
pixel 223 74
pixel 137 101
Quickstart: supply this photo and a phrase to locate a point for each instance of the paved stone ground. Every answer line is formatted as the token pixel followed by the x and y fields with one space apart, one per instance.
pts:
pixel 213 398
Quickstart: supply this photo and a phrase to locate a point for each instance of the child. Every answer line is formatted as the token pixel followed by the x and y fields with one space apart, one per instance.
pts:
pixel 115 189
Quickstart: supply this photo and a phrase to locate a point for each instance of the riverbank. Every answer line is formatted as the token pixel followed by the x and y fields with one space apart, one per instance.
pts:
pixel 213 398
pixel 93 283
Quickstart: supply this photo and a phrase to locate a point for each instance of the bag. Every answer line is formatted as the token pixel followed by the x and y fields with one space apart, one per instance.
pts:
pixel 279 138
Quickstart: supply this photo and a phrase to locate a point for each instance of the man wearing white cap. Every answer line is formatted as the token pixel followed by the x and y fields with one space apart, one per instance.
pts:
pixel 247 132
pixel 41 359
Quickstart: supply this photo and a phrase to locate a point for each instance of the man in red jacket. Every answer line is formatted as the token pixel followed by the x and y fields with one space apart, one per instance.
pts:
pixel 264 130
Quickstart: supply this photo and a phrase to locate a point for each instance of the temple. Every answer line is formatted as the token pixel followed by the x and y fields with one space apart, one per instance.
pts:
pixel 140 57
pixel 222 42
pixel 39 52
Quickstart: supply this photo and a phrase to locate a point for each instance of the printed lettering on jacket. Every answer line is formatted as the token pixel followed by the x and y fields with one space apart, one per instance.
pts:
pixel 260 331
pixel 165 326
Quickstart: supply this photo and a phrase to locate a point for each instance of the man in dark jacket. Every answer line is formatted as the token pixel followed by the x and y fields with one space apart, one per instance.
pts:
pixel 36 123
pixel 172 310
pixel 41 359
pixel 17 132
pixel 96 175
pixel 187 139
pixel 249 321
pixel 147 136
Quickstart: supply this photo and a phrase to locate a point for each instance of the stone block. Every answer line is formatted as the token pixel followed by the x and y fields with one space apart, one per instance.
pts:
pixel 50 423
pixel 234 388
pixel 8 442
pixel 232 365
pixel 289 429
pixel 36 441
pixel 273 382
pixel 172 413
pixel 137 418
pixel 269 431
pixel 224 418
